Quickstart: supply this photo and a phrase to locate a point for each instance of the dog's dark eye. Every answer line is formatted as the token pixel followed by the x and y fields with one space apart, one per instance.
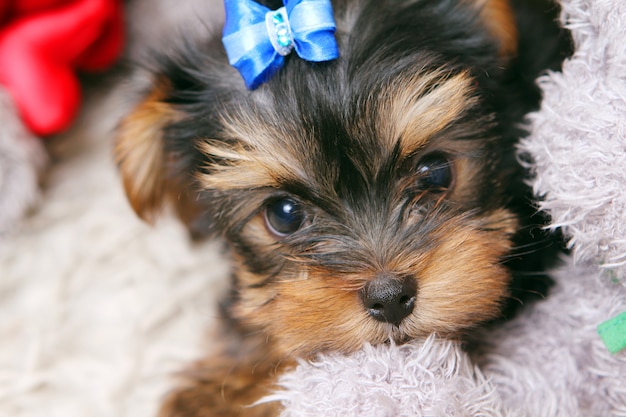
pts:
pixel 284 216
pixel 435 172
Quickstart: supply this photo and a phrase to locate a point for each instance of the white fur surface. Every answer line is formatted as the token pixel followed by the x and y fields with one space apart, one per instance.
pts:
pixel 97 309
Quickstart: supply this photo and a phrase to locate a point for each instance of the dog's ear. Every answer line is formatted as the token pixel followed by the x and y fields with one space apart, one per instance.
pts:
pixel 499 19
pixel 157 148
pixel 153 171
pixel 140 151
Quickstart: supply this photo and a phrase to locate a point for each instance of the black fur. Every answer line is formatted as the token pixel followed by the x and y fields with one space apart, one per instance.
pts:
pixel 331 101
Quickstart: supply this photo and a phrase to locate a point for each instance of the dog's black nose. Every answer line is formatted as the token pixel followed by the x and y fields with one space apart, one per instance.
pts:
pixel 390 299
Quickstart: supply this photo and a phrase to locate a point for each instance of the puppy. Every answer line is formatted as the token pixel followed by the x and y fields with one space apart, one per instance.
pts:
pixel 368 198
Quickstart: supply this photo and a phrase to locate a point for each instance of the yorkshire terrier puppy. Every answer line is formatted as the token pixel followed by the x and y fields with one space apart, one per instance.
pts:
pixel 367 197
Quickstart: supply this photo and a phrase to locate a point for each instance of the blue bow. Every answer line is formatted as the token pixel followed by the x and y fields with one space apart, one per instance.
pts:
pixel 257 39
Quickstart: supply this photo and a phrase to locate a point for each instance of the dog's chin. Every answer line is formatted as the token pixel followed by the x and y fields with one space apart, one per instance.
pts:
pixel 395 335
pixel 399 336
pixel 371 333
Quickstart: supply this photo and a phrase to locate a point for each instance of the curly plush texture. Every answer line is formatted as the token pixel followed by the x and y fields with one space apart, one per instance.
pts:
pixel 433 378
pixel 550 362
pixel 579 136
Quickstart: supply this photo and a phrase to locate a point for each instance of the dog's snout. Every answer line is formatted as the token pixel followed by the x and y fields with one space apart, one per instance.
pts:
pixel 390 299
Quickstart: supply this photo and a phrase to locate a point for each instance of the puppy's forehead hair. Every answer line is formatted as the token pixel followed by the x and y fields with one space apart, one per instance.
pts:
pixel 257 150
pixel 306 136
pixel 416 107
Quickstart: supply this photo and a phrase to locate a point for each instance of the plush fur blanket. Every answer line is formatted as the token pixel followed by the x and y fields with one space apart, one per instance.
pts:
pixel 98 310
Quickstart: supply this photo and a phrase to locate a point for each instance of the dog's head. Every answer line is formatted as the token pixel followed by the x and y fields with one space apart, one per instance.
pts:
pixel 365 199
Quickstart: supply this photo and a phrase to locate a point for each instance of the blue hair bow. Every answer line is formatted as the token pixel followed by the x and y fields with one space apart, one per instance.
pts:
pixel 257 39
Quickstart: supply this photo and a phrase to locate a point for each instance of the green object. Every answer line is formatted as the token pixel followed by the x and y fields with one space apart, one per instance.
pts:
pixel 613 333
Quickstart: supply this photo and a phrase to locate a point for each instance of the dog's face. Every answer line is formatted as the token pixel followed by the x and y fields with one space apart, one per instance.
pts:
pixel 365 199
pixel 379 216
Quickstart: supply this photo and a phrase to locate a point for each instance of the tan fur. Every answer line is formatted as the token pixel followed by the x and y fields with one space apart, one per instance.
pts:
pixel 460 283
pixel 498 17
pixel 230 381
pixel 465 176
pixel 242 168
pixel 463 281
pixel 264 156
pixel 416 109
pixel 413 110
pixel 139 152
